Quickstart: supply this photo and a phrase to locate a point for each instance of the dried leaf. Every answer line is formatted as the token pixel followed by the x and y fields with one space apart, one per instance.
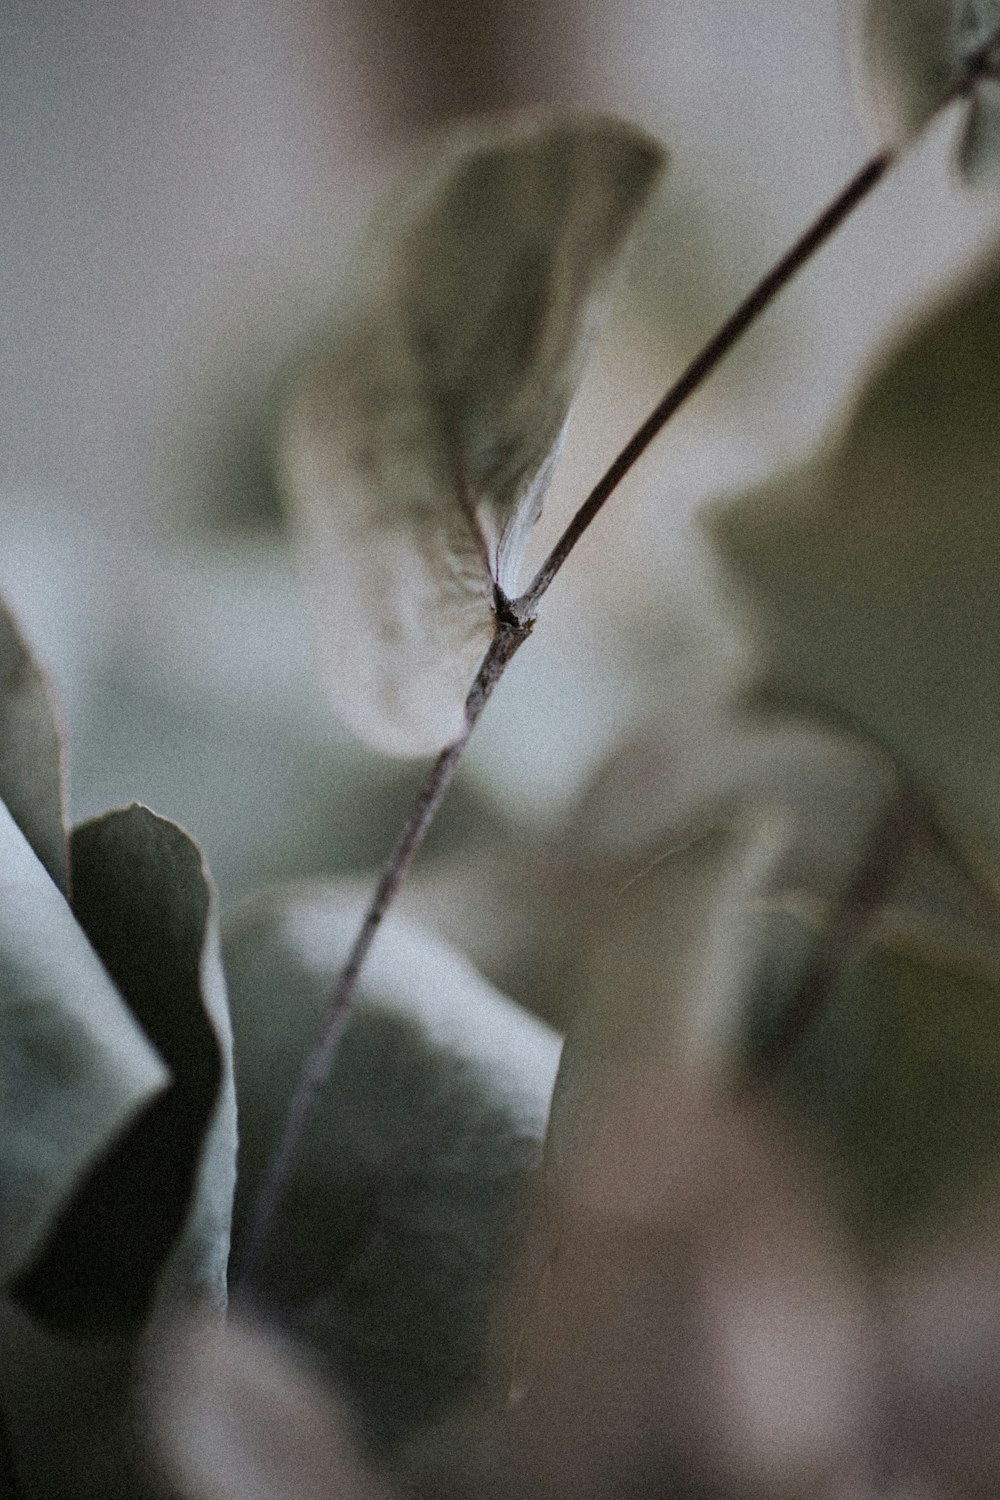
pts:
pixel 417 447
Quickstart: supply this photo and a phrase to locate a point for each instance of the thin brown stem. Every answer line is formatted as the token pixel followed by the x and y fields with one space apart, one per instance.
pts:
pixel 514 622
pixel 702 366
pixel 316 1070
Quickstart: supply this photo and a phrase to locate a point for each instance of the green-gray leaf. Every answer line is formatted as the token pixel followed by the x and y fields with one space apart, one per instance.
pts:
pixel 75 1068
pixel 902 59
pixel 406 1209
pixel 871 575
pixel 898 1077
pixel 153 1216
pixel 417 446
pixel 979 152
pixel 32 782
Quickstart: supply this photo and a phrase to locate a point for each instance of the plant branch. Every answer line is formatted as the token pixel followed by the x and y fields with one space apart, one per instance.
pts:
pixel 514 621
pixel 316 1070
pixel 702 366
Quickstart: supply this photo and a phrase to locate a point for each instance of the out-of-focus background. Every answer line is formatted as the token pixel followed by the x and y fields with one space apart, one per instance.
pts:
pixel 182 186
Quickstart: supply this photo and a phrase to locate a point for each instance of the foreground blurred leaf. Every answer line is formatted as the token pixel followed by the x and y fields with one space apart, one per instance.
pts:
pixel 417 447
pixel 699 1331
pixel 943 1301
pixel 31 752
pixel 910 55
pixel 75 1068
pixel 242 1417
pixel 407 1207
pixel 155 1212
pixel 871 575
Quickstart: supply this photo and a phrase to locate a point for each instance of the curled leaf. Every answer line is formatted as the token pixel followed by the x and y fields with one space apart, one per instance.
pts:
pixel 152 1216
pixel 680 944
pixel 75 1067
pixel 416 447
pixel 32 782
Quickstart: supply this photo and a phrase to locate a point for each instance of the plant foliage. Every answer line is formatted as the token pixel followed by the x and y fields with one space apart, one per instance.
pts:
pixel 756 1254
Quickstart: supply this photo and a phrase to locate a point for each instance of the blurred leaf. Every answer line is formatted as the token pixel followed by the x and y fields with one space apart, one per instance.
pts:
pixel 911 55
pixel 904 55
pixel 898 1077
pixel 717 947
pixel 31 752
pixel 75 1430
pixel 871 575
pixel 407 1207
pixel 671 941
pixel 75 1069
pixel 944 1321
pixel 417 448
pixel 699 1331
pixel 242 1417
pixel 157 1208
pixel 979 151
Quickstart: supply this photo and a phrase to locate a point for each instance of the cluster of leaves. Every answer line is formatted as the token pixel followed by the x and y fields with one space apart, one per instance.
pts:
pixel 769 1203
pixel 119 1130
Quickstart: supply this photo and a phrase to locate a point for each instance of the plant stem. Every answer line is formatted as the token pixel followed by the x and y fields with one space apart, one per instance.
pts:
pixel 703 365
pixel 514 622
pixel 509 637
